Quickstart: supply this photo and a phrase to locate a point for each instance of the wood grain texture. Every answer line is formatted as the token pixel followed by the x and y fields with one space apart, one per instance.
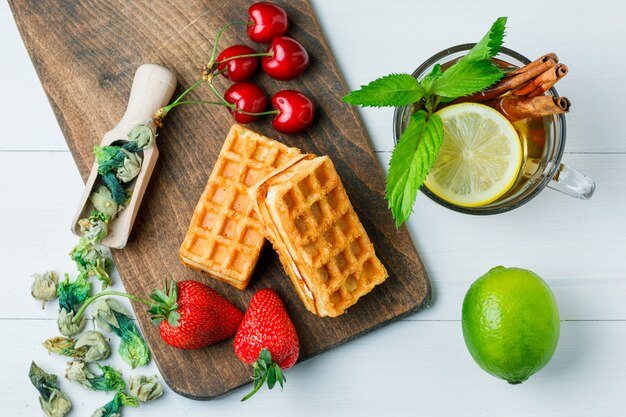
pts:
pixel 86 54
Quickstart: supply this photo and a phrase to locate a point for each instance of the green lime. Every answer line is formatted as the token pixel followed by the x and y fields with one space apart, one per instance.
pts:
pixel 510 323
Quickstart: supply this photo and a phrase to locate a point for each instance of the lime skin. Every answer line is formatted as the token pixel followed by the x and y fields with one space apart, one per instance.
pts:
pixel 510 323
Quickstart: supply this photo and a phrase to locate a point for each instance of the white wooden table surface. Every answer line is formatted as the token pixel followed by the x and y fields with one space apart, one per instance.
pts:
pixel 419 366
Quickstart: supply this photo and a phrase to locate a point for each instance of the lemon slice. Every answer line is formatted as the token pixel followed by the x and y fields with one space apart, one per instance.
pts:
pixel 480 156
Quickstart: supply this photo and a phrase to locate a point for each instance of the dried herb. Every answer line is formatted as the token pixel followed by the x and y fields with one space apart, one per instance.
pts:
pixel 139 138
pixel 44 287
pixel 94 228
pixel 117 191
pixel 108 158
pixel 130 167
pixel 109 380
pixel 146 388
pixel 112 408
pixel 71 296
pixel 90 347
pixel 103 202
pixel 53 401
pixel 92 260
pixel 111 316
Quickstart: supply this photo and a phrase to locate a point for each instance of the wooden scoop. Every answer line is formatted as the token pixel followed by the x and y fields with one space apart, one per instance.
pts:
pixel 152 89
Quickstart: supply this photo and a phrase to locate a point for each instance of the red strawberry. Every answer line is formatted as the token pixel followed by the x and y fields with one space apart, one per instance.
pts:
pixel 267 340
pixel 191 315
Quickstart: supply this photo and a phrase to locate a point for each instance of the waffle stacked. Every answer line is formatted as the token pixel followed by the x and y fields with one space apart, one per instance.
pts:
pixel 225 236
pixel 317 234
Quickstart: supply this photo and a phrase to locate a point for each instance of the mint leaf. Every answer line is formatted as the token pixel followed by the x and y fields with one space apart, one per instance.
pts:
pixel 473 72
pixel 490 44
pixel 392 90
pixel 428 80
pixel 466 77
pixel 412 159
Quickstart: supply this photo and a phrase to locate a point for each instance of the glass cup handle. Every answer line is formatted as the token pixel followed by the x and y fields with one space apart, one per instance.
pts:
pixel 572 182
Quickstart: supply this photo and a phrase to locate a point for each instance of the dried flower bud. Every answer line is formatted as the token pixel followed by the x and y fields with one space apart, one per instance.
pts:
pixel 57 406
pixel 94 227
pixel 44 287
pixel 90 347
pixel 102 311
pixel 63 346
pixel 97 347
pixel 53 401
pixel 146 388
pixel 130 168
pixel 103 201
pixel 66 326
pixel 111 316
pixel 78 372
pixel 141 135
pixel 112 408
pixel 109 380
pixel 91 258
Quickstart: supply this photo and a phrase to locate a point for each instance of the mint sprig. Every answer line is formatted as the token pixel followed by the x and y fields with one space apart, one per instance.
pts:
pixel 419 144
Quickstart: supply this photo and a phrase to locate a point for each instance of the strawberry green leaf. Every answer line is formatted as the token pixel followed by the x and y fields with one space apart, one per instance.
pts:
pixel 265 370
pixel 165 306
pixel 389 91
pixel 412 159
pixel 280 376
pixel 271 377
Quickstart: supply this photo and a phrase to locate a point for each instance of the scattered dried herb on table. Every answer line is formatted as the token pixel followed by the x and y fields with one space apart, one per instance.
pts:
pixel 53 401
pixel 90 347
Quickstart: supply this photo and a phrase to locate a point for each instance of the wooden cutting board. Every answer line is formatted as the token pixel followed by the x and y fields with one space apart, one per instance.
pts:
pixel 86 54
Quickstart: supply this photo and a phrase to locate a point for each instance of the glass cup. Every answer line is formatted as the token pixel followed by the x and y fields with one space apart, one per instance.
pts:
pixel 549 171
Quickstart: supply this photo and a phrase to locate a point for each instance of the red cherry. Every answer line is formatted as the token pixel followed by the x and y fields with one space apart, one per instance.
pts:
pixel 296 111
pixel 287 59
pixel 238 69
pixel 268 22
pixel 247 97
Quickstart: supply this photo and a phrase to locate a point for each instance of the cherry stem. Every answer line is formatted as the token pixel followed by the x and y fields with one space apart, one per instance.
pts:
pixel 171 106
pixel 261 113
pixel 270 54
pixel 217 39
pixel 187 91
pixel 80 312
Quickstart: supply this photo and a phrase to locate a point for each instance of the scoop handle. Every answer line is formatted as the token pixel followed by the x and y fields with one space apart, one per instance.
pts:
pixel 153 87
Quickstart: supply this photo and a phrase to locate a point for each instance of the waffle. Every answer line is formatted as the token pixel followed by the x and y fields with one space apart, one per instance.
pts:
pixel 318 236
pixel 225 236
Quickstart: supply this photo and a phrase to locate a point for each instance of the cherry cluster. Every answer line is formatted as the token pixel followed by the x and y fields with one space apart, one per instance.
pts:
pixel 284 59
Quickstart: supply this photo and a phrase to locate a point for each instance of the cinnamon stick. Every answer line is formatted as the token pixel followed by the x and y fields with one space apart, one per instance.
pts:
pixel 518 78
pixel 547 57
pixel 549 84
pixel 517 108
pixel 543 82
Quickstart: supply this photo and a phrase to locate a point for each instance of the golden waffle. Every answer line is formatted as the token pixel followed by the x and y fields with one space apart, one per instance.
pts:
pixel 318 236
pixel 225 236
